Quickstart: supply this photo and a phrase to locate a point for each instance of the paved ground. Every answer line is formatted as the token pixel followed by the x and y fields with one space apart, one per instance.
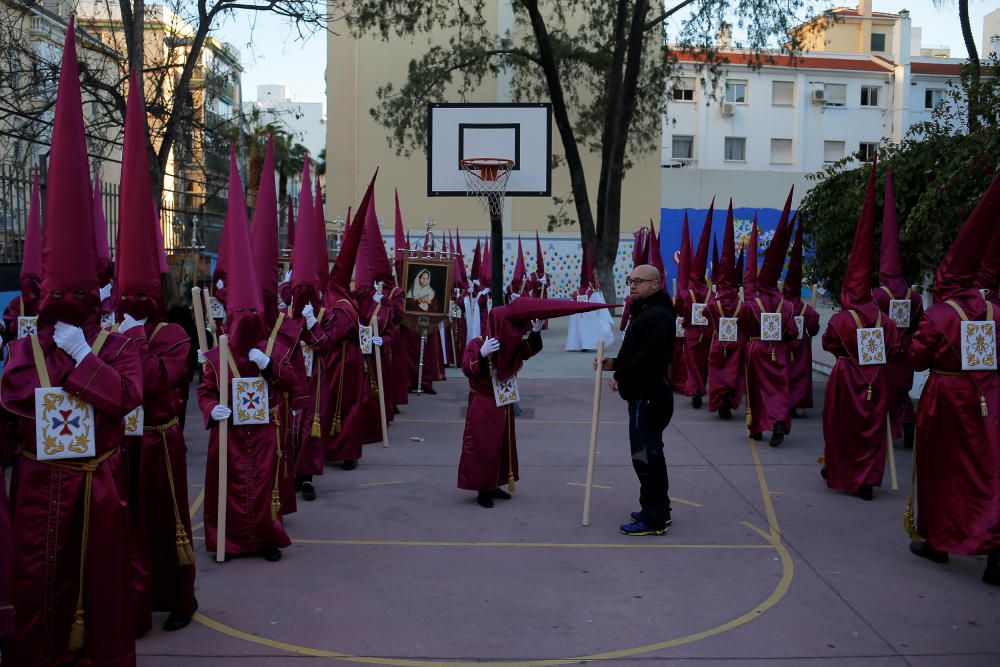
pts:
pixel 394 565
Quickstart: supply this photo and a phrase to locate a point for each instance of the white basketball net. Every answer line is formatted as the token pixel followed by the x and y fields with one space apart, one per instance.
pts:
pixel 486 178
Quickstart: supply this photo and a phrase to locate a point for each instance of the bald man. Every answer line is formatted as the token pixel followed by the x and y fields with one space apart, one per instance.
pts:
pixel 641 378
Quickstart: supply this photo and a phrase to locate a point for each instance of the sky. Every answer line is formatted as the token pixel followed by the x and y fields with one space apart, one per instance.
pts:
pixel 274 53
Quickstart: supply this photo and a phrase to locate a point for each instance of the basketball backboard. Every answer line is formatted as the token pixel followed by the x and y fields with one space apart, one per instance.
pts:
pixel 518 132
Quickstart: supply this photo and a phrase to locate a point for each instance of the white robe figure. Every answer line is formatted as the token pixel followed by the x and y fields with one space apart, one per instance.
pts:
pixel 587 329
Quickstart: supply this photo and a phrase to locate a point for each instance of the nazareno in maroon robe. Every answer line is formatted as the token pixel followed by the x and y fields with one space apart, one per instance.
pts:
pixel 900 371
pixel 678 367
pixel 489 445
pixel 158 497
pixel 47 497
pixel 253 459
pixel 800 388
pixel 698 342
pixel 725 360
pixel 289 425
pixel 956 447
pixel 855 405
pixel 369 420
pixel 766 364
pixel 396 352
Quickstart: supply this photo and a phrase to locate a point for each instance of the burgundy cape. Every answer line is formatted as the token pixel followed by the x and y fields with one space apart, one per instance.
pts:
pixel 158 498
pixel 766 364
pixel 333 386
pixel 489 446
pixel 47 509
pixel 854 425
pixel 697 342
pixel 253 460
pixel 956 448
pixel 725 360
pixel 800 356
pixel 289 333
pixel 899 370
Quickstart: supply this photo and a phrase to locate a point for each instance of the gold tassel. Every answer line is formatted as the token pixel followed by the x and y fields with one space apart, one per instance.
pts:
pixel 772 354
pixel 868 397
pixel 982 405
pixel 275 503
pixel 315 431
pixel 77 633
pixel 337 426
pixel 909 525
pixel 510 482
pixel 185 554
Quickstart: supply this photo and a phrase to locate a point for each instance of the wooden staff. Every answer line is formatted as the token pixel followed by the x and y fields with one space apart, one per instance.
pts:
pixel 220 547
pixel 381 385
pixel 893 481
pixel 813 296
pixel 207 299
pixel 673 289
pixel 199 318
pixel 592 454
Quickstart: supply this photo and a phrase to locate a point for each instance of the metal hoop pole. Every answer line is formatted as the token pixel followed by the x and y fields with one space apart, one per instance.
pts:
pixel 420 365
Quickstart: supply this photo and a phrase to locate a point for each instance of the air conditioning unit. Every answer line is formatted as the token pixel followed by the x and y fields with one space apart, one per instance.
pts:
pixel 728 108
pixel 819 96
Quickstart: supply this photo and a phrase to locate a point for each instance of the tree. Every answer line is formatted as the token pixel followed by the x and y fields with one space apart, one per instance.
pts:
pixel 975 68
pixel 939 172
pixel 604 66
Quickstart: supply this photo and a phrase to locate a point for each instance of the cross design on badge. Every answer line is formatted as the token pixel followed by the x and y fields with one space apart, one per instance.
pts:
pixel 68 419
pixel 251 400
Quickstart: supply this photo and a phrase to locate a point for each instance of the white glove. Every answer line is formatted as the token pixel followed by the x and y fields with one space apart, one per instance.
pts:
pixel 471 289
pixel 71 340
pixel 536 325
pixel 288 276
pixel 310 315
pixel 377 297
pixel 259 358
pixel 128 322
pixel 106 292
pixel 377 340
pixel 476 283
pixel 219 284
pixel 201 358
pixel 221 413
pixel 2 325
pixel 485 291
pixel 543 280
pixel 514 295
pixel 490 345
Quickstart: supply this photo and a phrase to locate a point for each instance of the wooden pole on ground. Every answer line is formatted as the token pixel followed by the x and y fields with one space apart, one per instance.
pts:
pixel 381 384
pixel 893 481
pixel 199 318
pixel 595 418
pixel 220 547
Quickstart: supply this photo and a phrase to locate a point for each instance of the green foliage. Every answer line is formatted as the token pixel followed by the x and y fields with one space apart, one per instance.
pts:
pixel 939 172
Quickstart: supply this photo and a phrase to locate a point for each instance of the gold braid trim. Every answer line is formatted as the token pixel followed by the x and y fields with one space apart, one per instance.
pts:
pixel 909 516
pixel 275 491
pixel 182 541
pixel 316 431
pixel 338 424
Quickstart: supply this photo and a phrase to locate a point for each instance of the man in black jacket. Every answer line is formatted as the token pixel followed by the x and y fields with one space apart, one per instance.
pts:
pixel 641 372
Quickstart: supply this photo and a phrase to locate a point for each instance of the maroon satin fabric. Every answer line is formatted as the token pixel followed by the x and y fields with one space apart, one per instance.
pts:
pixel 900 371
pixel 48 511
pixel 489 444
pixel 800 382
pixel 286 344
pixel 252 461
pixel 678 368
pixel 698 343
pixel 10 315
pixel 725 360
pixel 369 415
pixel 854 428
pixel 767 378
pixel 957 449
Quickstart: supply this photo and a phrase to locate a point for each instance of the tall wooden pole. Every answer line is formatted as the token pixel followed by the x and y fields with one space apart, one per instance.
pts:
pixel 220 547
pixel 594 420
pixel 381 384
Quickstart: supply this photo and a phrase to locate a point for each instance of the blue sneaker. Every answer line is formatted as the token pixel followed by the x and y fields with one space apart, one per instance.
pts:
pixel 639 529
pixel 637 516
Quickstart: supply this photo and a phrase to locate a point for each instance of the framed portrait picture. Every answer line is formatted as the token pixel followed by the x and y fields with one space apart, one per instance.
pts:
pixel 427 287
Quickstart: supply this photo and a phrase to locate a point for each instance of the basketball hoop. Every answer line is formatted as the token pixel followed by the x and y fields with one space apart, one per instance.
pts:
pixel 486 178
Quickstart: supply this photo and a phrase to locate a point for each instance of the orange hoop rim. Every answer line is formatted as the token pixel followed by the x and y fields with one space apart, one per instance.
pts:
pixel 489 168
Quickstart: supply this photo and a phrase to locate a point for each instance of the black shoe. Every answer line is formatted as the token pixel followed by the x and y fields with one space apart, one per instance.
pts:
pixel 485 499
pixel 696 401
pixel 991 575
pixel 179 619
pixel 758 436
pixel 866 492
pixel 778 434
pixel 271 554
pixel 431 391
pixel 349 465
pixel 298 483
pixel 725 412
pixel 822 473
pixel 501 494
pixel 308 491
pixel 924 550
pixel 796 413
pixel 908 436
pixel 637 516
pixel 395 410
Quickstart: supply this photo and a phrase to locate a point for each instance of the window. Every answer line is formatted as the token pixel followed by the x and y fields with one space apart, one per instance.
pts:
pixel 835 94
pixel 684 90
pixel 736 149
pixel 781 151
pixel 878 41
pixel 783 93
pixel 682 147
pixel 867 150
pixel 833 151
pixel 736 92
pixel 869 96
pixel 933 97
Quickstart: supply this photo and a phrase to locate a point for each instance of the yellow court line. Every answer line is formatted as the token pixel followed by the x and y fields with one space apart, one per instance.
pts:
pixel 596 486
pixel 765 491
pixel 197 526
pixel 535 545
pixel 197 502
pixel 369 485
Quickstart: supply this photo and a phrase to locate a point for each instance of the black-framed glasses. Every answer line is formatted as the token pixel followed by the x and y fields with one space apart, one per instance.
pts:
pixel 637 281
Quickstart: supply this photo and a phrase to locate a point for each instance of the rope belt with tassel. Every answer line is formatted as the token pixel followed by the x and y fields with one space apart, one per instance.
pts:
pixel 185 553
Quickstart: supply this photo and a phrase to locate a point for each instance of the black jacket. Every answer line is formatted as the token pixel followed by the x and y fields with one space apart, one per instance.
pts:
pixel 643 362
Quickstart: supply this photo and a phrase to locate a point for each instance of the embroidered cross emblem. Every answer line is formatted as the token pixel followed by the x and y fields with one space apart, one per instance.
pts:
pixel 68 419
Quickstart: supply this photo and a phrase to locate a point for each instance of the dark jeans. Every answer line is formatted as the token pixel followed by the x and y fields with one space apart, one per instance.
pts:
pixel 646 421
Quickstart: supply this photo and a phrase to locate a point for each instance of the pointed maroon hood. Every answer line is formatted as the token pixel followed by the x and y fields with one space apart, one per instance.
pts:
pixel 319 228
pixel 715 260
pixel 69 258
pixel 727 263
pixel 684 262
pixel 290 228
pixel 520 272
pixel 244 303
pixel 989 272
pixel 138 265
pixel 890 268
pixel 774 257
pixel 656 259
pixel 372 263
pixel 306 286
pixel 700 263
pixel 750 270
pixel 539 256
pixel 264 235
pixel 343 266
pixel 961 265
pixel 486 267
pixel 477 264
pixel 793 279
pixel 856 293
